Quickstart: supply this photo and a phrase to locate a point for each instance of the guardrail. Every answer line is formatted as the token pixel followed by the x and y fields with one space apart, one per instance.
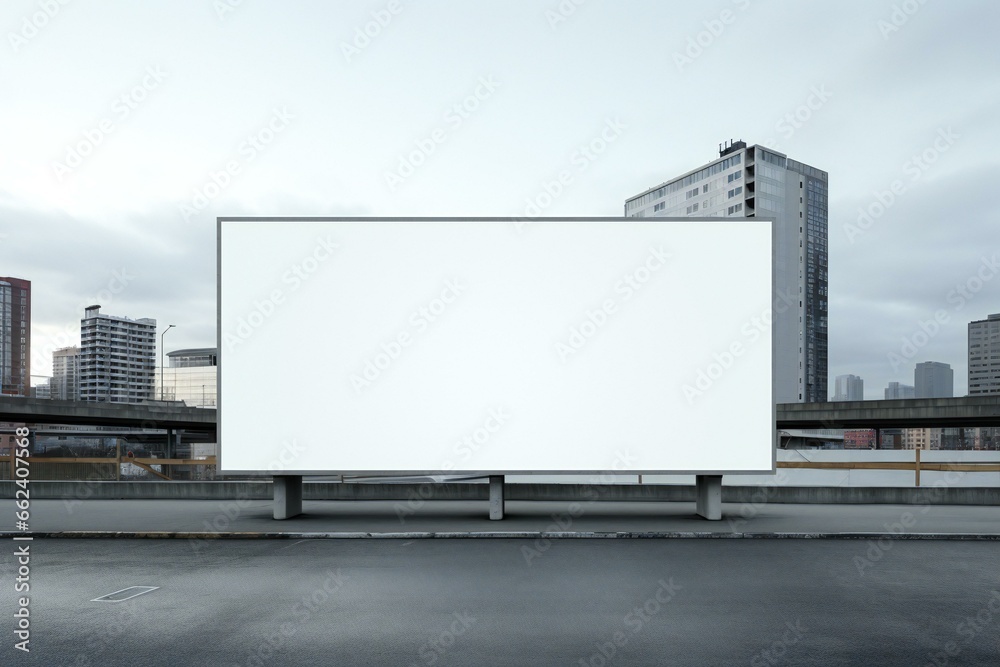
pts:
pixel 94 465
pixel 916 465
pixel 147 463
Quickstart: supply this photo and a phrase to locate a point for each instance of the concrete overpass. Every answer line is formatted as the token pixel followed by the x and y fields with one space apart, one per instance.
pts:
pixel 905 413
pixel 151 415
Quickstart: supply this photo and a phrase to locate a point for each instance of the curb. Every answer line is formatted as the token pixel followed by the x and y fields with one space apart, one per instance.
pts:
pixel 493 534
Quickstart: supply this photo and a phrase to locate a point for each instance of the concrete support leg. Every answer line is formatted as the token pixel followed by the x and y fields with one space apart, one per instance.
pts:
pixel 287 496
pixel 496 497
pixel 708 494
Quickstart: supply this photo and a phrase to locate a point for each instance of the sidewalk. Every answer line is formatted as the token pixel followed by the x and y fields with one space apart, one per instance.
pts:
pixel 422 519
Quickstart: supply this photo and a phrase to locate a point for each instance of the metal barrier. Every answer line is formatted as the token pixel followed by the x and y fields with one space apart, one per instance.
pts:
pixel 100 468
pixel 916 466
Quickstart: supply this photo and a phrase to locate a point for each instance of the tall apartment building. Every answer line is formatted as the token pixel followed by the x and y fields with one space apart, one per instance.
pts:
pixel 933 379
pixel 753 181
pixel 117 358
pixel 15 336
pixel 849 388
pixel 984 356
pixel 921 438
pixel 896 390
pixel 65 382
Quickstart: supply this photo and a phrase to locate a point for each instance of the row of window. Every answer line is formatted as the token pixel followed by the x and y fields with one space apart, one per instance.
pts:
pixel 685 182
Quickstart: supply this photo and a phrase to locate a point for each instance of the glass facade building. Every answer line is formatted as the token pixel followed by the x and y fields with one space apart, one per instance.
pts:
pixel 15 337
pixel 191 377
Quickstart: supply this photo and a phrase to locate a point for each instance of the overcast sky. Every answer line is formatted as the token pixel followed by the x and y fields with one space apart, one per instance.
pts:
pixel 119 120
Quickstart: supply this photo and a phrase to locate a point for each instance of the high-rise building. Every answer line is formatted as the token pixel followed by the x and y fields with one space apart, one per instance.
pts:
pixel 43 391
pixel 984 356
pixel 859 438
pixel 896 390
pixel 933 379
pixel 117 358
pixel 191 376
pixel 15 336
pixel 921 438
pixel 849 388
pixel 752 181
pixel 65 382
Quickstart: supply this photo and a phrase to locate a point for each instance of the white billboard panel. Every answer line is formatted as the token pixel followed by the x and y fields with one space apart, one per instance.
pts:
pixel 487 346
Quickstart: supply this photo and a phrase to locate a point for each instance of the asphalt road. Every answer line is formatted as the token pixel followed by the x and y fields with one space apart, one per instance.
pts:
pixel 508 602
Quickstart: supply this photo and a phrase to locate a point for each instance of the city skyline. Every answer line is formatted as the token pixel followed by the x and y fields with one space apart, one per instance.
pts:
pixel 891 106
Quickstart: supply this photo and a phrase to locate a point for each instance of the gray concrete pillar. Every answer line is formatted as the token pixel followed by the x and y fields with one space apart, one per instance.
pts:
pixel 708 496
pixel 496 497
pixel 287 496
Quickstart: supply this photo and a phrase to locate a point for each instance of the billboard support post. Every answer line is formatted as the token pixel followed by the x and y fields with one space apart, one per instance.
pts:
pixel 708 496
pixel 496 497
pixel 287 496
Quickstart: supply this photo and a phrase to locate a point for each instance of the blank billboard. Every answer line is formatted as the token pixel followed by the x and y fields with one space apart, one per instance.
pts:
pixel 489 346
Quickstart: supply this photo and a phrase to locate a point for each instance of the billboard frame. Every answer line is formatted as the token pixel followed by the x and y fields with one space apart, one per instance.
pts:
pixel 477 474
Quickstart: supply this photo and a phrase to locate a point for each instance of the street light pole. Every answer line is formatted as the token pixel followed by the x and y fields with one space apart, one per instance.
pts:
pixel 169 327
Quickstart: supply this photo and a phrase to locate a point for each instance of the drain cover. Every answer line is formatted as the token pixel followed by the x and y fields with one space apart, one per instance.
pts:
pixel 126 594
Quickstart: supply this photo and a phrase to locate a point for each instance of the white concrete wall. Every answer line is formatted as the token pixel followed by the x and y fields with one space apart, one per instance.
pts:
pixel 812 477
